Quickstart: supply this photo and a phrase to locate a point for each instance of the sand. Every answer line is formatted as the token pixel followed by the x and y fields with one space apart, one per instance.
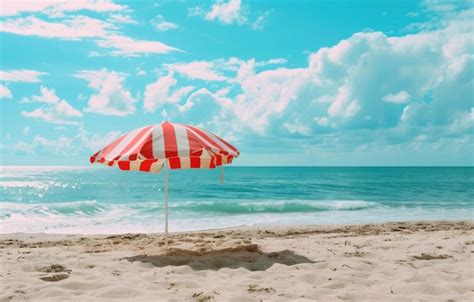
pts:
pixel 416 261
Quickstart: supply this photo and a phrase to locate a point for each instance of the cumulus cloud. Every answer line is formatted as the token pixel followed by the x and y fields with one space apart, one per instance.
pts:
pixel 265 94
pixel 201 70
pixel 227 12
pixel 111 97
pixel 297 127
pixel 81 143
pixel 162 25
pixel 21 75
pixel 60 146
pixel 218 70
pixel 47 96
pixel 369 86
pixel 361 82
pixel 140 72
pixel 5 93
pixel 55 110
pixel 160 93
pixel 230 12
pixel 401 97
pixel 96 141
pixel 203 108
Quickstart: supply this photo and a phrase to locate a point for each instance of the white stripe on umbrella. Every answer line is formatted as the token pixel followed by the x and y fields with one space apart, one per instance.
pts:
pixel 204 140
pixel 122 145
pixel 138 144
pixel 182 141
pixel 222 145
pixel 158 142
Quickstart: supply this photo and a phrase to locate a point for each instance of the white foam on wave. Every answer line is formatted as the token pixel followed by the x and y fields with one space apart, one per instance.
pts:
pixel 316 204
pixel 90 217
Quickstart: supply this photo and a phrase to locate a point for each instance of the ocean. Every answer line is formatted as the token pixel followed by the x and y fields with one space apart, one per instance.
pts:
pixel 102 200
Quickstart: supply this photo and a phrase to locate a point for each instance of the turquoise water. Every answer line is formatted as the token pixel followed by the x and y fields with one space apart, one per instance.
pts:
pixel 106 200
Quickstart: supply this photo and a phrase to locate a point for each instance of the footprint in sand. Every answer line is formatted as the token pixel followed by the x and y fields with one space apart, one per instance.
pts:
pixel 55 277
pixel 201 297
pixel 54 268
pixel 424 256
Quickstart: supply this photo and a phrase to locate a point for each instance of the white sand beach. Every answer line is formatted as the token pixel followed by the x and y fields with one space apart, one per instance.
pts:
pixel 416 261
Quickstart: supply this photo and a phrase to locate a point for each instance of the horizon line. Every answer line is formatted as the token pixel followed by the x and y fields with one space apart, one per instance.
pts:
pixel 276 166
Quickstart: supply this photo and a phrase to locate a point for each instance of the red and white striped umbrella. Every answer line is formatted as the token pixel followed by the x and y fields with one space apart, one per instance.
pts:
pixel 178 146
pixel 169 145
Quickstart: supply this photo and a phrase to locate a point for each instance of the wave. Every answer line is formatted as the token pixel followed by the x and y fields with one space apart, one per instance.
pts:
pixel 278 206
pixel 81 208
pixel 93 208
pixel 92 217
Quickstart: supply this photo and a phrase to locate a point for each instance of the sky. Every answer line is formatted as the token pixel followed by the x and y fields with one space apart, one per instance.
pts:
pixel 311 83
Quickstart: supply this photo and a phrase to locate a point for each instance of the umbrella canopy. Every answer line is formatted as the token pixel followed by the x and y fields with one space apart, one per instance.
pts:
pixel 179 146
pixel 169 145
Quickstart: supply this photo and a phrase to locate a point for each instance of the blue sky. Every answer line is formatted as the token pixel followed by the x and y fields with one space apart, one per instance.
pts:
pixel 287 82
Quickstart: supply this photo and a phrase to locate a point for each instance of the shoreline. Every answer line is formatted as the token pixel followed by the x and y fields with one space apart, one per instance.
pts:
pixel 394 261
pixel 323 226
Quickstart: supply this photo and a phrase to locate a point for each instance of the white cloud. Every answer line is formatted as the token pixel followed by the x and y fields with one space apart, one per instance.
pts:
pixel 401 97
pixel 162 25
pixel 47 96
pixel 322 121
pixel 347 88
pixel 196 11
pixel 230 12
pixel 297 127
pixel 104 34
pixel 56 7
pixel 216 70
pixel 111 97
pixel 122 19
pixel 96 141
pixel 266 94
pixel 55 111
pixel 159 93
pixel 21 75
pixel 140 72
pixel 203 108
pixel 60 146
pixel 77 27
pixel 126 46
pixel 227 12
pixel 5 93
pixel 63 145
pixel 260 21
pixel 201 70
pixel 277 61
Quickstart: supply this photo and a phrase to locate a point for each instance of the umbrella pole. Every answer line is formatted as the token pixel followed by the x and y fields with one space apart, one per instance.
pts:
pixel 166 206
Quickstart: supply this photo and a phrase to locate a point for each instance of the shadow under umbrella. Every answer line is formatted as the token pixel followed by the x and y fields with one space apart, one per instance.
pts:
pixel 246 256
